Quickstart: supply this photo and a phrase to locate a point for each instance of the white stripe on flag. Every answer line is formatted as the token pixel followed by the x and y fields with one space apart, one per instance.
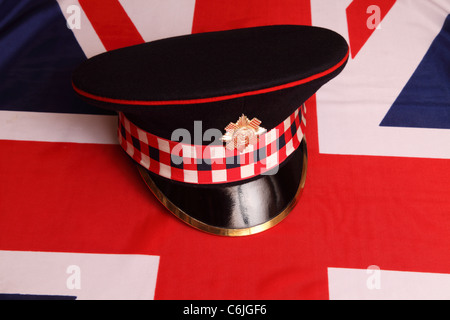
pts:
pixel 85 276
pixel 158 19
pixel 58 127
pixel 86 36
pixel 375 284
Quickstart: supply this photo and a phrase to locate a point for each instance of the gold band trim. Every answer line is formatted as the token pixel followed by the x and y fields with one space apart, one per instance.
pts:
pixel 224 231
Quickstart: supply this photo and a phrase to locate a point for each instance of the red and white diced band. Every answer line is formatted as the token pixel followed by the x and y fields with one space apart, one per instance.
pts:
pixel 212 164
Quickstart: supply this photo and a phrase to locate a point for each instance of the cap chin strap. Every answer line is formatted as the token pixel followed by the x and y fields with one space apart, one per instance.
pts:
pixel 213 164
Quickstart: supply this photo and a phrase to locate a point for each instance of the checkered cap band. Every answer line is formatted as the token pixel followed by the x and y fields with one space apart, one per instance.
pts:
pixel 212 164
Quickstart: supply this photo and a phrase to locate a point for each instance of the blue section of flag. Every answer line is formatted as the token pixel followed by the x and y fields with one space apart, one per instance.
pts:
pixel 17 296
pixel 425 100
pixel 37 56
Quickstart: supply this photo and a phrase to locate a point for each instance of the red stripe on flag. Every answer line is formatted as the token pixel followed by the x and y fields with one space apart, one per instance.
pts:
pixel 112 24
pixel 231 14
pixel 74 197
pixel 363 16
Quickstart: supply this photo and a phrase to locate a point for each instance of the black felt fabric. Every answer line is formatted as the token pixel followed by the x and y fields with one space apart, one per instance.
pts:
pixel 210 65
pixel 270 108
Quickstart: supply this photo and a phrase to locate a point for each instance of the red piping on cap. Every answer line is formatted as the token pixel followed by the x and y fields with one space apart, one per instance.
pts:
pixel 212 99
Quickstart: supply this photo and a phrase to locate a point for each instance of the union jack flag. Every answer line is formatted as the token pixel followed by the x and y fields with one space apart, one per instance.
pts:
pixel 77 221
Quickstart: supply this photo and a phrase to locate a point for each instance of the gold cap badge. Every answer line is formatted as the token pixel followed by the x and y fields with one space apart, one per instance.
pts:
pixel 243 133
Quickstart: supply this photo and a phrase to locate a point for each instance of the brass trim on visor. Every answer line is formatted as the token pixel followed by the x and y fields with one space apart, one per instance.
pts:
pixel 224 231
